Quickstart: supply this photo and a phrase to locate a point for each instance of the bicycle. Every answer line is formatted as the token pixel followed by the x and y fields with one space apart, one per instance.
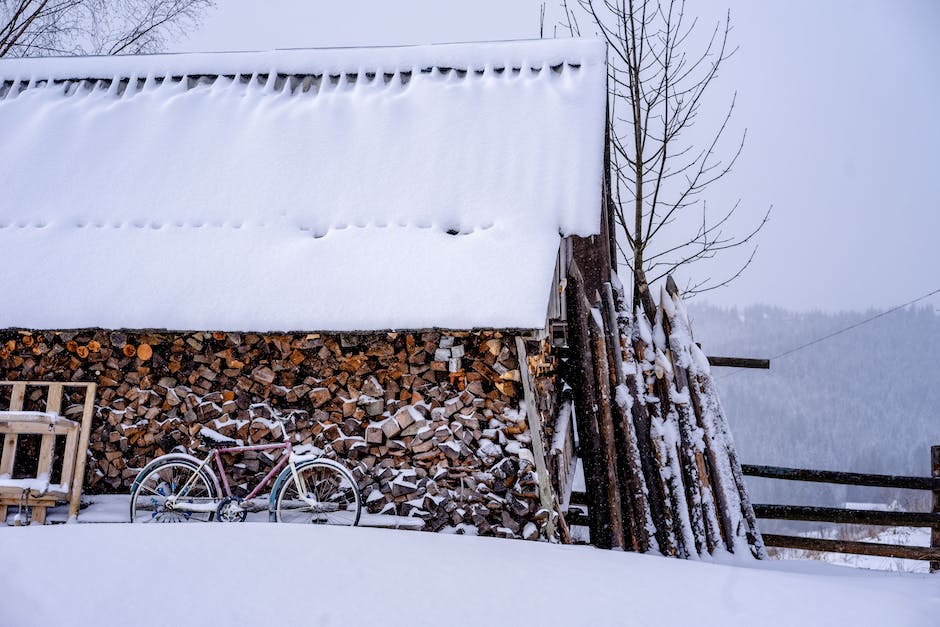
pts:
pixel 178 487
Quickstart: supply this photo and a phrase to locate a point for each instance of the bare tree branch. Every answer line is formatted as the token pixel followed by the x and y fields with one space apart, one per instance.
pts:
pixel 71 27
pixel 660 70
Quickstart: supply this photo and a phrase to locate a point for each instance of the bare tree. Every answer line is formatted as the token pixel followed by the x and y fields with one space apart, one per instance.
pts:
pixel 70 27
pixel 658 177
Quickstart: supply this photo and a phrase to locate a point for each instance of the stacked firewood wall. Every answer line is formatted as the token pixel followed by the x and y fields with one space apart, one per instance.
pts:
pixel 430 423
pixel 662 474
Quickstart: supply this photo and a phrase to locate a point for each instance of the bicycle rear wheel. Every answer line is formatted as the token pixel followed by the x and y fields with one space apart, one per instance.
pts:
pixel 327 495
pixel 170 479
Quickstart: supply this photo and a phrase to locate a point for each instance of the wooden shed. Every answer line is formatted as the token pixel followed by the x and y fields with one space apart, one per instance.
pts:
pixel 370 246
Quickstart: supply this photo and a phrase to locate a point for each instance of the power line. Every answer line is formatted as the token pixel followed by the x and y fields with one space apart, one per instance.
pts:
pixel 856 325
pixel 844 330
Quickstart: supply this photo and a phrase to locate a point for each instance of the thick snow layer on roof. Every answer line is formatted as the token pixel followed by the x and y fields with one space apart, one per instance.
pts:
pixel 347 189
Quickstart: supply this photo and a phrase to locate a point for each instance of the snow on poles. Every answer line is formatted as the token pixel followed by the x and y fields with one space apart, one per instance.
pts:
pixel 672 482
pixel 692 444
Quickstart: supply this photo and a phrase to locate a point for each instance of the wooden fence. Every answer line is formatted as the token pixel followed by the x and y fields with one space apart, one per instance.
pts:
pixel 856 517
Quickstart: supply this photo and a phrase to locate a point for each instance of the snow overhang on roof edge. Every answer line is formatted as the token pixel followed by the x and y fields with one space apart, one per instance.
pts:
pixel 254 200
pixel 476 56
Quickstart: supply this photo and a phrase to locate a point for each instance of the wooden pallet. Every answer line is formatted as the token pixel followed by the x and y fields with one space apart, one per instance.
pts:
pixel 49 425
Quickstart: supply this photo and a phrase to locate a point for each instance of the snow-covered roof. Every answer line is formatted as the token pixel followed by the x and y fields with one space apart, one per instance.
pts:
pixel 345 189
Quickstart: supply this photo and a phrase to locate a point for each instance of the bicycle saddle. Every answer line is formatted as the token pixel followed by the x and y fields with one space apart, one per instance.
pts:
pixel 216 440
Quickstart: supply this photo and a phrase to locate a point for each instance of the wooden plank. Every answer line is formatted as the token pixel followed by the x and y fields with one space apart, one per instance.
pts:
pixel 857 548
pixel 845 478
pixel 8 454
pixel 546 497
pixel 46 446
pixel 34 417
pixel 739 362
pixel 54 399
pixel 36 428
pixel 27 416
pixel 68 458
pixel 38 515
pixel 849 516
pixel 935 532
pixel 17 395
pixel 11 496
pixel 37 383
pixel 82 451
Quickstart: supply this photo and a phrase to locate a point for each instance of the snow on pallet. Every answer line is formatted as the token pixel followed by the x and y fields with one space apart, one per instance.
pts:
pixel 35 489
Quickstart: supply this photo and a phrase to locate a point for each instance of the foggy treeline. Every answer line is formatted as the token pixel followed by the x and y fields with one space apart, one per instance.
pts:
pixel 867 400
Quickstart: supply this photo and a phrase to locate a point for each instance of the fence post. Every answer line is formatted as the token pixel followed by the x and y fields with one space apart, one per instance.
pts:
pixel 935 531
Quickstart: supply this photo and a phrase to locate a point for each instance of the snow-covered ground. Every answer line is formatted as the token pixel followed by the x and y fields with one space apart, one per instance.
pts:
pixel 261 574
pixel 907 536
pixel 114 508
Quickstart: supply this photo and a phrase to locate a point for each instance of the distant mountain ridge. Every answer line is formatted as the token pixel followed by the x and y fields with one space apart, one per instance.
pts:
pixel 867 400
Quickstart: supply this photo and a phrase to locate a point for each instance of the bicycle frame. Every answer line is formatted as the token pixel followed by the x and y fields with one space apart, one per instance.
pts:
pixel 216 454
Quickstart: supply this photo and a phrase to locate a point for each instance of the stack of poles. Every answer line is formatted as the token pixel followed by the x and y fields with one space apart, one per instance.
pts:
pixel 661 471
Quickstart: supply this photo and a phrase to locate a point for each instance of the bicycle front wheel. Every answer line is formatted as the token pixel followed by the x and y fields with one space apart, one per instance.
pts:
pixel 174 491
pixel 327 494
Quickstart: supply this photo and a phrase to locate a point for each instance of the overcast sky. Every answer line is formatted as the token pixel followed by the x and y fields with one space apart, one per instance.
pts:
pixel 839 99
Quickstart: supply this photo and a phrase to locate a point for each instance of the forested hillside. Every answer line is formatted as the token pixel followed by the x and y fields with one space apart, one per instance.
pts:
pixel 867 400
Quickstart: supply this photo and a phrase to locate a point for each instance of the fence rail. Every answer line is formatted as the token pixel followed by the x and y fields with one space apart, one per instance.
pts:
pixel 856 516
pixel 844 478
pixel 849 516
pixel 859 548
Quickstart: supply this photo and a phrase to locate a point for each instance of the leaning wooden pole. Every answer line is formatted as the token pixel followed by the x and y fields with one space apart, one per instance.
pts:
pixel 651 462
pixel 605 422
pixel 692 436
pixel 738 511
pixel 633 486
pixel 725 492
pixel 663 435
pixel 676 422
pixel 751 531
pixel 581 377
